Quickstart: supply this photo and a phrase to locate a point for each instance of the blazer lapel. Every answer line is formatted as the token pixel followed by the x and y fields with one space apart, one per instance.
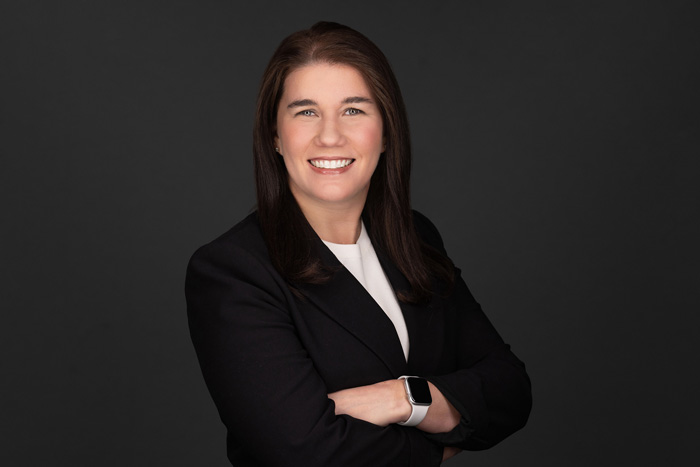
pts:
pixel 347 302
pixel 425 330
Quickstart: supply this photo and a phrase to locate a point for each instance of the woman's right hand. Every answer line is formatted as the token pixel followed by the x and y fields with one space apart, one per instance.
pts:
pixel 449 451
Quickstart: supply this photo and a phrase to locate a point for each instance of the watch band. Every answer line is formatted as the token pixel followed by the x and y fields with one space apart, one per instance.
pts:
pixel 418 410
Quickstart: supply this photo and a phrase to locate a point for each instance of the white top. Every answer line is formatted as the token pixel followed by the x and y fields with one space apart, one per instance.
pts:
pixel 362 262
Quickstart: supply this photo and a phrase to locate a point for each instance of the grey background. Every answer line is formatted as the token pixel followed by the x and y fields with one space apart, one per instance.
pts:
pixel 555 147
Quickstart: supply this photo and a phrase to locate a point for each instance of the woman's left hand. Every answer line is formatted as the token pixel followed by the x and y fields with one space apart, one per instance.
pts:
pixel 381 403
pixel 386 402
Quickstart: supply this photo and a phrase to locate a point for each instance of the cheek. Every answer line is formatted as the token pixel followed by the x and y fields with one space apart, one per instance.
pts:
pixel 294 138
pixel 373 137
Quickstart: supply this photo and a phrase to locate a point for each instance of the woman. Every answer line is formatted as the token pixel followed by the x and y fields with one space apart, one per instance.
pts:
pixel 330 326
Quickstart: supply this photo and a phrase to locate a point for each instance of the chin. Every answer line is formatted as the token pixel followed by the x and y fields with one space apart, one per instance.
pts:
pixel 341 197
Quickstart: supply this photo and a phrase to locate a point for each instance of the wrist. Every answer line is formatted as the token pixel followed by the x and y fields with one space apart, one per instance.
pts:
pixel 401 408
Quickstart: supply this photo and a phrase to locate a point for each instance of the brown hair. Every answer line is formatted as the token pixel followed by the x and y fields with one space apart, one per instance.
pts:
pixel 387 210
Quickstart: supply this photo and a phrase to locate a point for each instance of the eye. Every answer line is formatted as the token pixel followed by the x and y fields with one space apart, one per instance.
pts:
pixel 353 111
pixel 307 113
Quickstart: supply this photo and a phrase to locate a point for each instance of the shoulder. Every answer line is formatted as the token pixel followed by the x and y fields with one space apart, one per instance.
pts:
pixel 427 231
pixel 246 234
pixel 242 246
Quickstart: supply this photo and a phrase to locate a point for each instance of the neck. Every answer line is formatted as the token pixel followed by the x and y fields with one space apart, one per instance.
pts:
pixel 335 224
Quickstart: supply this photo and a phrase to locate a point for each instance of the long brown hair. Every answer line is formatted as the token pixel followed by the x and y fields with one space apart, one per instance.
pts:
pixel 387 211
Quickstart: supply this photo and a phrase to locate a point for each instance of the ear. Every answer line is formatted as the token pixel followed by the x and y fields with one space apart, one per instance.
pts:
pixel 277 144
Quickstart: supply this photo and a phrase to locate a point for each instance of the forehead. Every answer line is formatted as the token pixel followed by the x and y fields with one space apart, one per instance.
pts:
pixel 325 80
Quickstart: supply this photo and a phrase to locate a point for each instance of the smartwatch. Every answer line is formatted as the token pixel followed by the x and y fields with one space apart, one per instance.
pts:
pixel 418 393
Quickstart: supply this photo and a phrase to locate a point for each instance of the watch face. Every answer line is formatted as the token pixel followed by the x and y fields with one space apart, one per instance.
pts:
pixel 420 391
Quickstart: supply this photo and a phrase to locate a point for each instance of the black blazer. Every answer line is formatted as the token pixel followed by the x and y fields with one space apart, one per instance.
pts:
pixel 269 359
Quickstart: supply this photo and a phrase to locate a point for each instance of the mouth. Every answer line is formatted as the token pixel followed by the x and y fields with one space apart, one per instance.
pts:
pixel 331 163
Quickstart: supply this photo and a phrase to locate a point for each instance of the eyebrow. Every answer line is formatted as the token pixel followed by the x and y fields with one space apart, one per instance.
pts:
pixel 357 100
pixel 301 103
pixel 347 100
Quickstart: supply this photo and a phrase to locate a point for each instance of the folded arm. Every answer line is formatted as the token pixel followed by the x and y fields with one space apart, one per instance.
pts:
pixel 474 407
pixel 386 402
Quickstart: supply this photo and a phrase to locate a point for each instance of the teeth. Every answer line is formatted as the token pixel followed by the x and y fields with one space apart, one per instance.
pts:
pixel 332 164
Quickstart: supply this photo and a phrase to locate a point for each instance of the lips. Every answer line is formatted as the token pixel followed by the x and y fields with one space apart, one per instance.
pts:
pixel 331 163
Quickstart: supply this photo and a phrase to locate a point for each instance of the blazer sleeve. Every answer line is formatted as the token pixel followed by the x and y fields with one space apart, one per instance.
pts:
pixel 490 388
pixel 265 387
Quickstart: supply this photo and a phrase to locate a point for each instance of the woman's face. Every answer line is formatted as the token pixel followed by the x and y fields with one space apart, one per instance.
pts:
pixel 330 134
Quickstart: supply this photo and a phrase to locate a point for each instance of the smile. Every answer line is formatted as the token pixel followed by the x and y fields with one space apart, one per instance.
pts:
pixel 331 164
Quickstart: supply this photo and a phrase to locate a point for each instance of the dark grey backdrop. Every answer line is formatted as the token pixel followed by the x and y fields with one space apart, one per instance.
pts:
pixel 556 148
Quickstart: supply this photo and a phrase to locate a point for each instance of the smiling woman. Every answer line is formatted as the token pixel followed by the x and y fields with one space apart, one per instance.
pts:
pixel 308 314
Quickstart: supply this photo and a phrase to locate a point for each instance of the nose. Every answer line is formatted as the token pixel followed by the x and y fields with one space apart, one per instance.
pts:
pixel 329 132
